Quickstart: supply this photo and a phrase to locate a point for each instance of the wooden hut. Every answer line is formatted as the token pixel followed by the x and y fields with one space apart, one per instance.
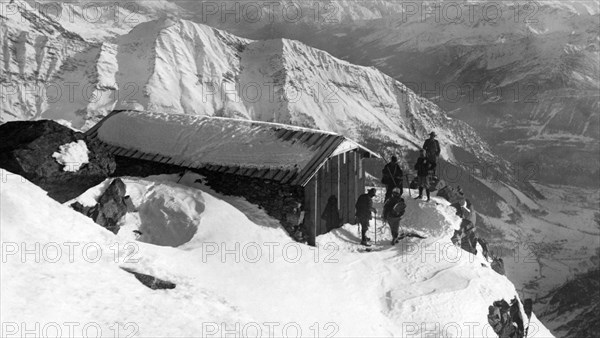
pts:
pixel 320 163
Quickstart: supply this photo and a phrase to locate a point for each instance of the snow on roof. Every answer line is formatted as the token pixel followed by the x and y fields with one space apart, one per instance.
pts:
pixel 202 141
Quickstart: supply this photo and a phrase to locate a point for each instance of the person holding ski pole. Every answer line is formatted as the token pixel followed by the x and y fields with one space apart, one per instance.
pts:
pixel 393 210
pixel 364 210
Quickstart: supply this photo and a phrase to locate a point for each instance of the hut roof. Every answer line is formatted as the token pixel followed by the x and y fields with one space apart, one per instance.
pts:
pixel 279 152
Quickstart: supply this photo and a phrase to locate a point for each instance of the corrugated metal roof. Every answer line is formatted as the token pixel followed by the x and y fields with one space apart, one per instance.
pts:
pixel 320 146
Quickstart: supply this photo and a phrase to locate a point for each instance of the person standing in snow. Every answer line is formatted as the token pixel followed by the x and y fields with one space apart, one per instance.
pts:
pixel 432 147
pixel 331 214
pixel 392 177
pixel 422 167
pixel 364 208
pixel 393 210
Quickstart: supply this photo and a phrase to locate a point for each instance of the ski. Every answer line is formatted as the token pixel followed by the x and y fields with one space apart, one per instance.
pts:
pixel 409 234
pixel 370 248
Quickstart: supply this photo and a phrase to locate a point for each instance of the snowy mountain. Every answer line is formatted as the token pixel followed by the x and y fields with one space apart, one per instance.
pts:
pixel 525 75
pixel 180 67
pixel 316 291
pixel 177 66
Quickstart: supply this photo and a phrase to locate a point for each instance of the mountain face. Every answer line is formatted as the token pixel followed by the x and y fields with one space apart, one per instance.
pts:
pixel 526 78
pixel 525 75
pixel 181 67
pixel 34 49
pixel 562 302
pixel 54 55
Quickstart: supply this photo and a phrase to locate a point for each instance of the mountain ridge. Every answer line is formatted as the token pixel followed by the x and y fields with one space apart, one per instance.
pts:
pixel 169 58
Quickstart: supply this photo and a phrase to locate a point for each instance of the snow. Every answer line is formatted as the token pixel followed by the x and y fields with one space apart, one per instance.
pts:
pixel 72 155
pixel 76 277
pixel 234 273
pixel 67 124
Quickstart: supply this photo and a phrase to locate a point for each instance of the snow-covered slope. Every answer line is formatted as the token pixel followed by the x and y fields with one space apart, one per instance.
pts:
pixel 70 281
pixel 405 290
pixel 34 49
pixel 524 74
pixel 177 66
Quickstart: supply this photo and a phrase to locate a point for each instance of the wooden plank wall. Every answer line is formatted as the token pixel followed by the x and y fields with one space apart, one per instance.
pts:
pixel 343 176
pixel 351 189
pixel 333 181
pixel 344 197
pixel 310 210
pixel 323 189
pixel 360 185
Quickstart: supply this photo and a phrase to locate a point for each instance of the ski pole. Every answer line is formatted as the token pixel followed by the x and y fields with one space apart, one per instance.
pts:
pixel 375 228
pixel 408 185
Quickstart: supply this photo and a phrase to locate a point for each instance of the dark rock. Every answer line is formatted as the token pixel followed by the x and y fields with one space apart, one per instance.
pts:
pixel 111 207
pixel 484 247
pixel 452 195
pixel 26 149
pixel 498 265
pixel 435 183
pixel 81 208
pixel 469 242
pixel 151 281
pixel 464 211
pixel 466 238
pixel 505 319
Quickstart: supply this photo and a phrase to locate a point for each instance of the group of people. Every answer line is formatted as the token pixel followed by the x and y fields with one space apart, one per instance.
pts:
pixel 392 177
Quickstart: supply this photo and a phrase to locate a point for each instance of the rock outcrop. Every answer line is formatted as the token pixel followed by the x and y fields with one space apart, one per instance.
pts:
pixel 26 149
pixel 452 195
pixel 466 237
pixel 151 281
pixel 506 320
pixel 111 207
pixel 498 265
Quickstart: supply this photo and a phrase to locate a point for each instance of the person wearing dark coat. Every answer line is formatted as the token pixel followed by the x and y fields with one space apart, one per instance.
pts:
pixel 433 150
pixel 422 167
pixel 392 177
pixel 364 208
pixel 331 214
pixel 392 214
